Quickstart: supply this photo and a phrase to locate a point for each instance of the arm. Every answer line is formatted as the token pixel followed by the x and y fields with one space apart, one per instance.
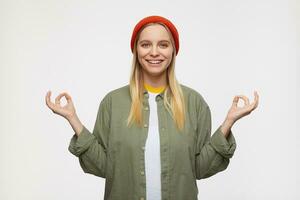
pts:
pixel 212 152
pixel 76 124
pixel 226 127
pixel 91 148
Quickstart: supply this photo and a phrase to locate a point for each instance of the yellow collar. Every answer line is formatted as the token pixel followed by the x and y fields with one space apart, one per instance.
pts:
pixel 154 89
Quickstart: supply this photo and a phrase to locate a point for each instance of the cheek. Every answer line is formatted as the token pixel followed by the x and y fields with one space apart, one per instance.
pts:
pixel 141 60
pixel 142 52
pixel 140 56
pixel 168 55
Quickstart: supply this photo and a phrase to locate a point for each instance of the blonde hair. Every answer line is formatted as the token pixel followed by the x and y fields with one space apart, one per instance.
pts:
pixel 174 105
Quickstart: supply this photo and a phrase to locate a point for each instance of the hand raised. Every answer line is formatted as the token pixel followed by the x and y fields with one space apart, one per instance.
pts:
pixel 67 111
pixel 236 112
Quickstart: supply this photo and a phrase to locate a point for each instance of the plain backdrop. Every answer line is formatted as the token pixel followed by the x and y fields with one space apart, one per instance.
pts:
pixel 227 48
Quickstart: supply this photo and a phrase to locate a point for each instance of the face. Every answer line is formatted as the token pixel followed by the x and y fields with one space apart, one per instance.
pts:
pixel 154 49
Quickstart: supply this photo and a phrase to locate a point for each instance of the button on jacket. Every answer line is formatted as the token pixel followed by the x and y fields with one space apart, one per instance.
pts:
pixel 115 152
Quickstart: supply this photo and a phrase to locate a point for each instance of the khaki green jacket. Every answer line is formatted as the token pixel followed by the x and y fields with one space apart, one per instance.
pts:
pixel 115 152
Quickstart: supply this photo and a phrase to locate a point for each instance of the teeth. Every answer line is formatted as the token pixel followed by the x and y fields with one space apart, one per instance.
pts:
pixel 154 61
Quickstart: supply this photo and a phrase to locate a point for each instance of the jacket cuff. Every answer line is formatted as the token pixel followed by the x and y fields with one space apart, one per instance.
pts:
pixel 81 143
pixel 224 146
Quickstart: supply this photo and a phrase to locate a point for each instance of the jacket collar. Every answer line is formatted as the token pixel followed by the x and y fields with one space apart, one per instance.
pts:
pixel 160 95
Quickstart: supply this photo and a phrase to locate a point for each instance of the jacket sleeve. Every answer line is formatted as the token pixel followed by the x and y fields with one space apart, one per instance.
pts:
pixel 212 152
pixel 91 148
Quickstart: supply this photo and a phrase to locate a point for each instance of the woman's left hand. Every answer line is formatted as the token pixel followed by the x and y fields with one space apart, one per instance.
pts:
pixel 236 112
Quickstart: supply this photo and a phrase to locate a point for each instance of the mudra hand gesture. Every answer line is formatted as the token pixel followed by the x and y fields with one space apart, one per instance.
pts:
pixel 67 111
pixel 236 112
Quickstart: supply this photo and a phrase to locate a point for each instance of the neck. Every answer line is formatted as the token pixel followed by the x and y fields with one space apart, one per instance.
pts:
pixel 155 81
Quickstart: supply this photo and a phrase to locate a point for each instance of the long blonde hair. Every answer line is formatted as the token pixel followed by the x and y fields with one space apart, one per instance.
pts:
pixel 174 105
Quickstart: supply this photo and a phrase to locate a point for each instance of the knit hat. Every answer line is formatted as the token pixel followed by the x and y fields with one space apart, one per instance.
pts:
pixel 151 19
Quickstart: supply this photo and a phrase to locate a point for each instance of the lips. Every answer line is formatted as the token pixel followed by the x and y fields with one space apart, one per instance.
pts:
pixel 155 62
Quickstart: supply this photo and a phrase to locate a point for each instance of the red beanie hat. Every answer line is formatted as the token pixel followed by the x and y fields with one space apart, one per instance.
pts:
pixel 151 19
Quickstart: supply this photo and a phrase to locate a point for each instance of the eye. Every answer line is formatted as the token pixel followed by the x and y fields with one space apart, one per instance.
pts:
pixel 165 45
pixel 145 45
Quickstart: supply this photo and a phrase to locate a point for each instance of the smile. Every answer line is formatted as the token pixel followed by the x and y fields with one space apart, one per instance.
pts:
pixel 154 61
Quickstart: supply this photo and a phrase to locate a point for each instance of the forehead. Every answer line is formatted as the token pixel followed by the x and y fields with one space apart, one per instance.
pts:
pixel 154 32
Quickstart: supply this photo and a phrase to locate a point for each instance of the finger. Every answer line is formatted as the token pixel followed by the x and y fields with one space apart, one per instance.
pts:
pixel 235 101
pixel 57 99
pixel 245 99
pixel 256 98
pixel 47 98
pixel 48 101
pixel 68 97
pixel 255 102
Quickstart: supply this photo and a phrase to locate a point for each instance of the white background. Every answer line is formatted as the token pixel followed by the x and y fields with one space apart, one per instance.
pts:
pixel 227 48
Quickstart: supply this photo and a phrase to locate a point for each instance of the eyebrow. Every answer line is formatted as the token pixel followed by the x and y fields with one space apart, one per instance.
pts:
pixel 150 41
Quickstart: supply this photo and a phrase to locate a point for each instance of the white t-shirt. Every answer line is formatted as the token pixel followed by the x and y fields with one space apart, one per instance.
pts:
pixel 152 153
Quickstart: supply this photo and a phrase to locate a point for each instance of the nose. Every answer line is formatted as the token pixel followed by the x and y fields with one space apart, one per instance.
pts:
pixel 154 51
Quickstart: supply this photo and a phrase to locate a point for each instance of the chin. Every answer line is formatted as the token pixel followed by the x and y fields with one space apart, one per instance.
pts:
pixel 155 72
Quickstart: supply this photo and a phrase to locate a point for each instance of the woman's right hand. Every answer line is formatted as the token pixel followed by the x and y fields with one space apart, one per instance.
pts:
pixel 67 111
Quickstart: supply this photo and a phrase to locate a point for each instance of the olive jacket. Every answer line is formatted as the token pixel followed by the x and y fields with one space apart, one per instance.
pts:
pixel 116 152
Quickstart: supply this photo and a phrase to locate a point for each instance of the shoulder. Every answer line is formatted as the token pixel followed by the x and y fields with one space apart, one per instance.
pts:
pixel 193 96
pixel 120 91
pixel 119 94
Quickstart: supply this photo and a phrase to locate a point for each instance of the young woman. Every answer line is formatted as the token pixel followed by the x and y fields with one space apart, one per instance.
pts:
pixel 152 138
